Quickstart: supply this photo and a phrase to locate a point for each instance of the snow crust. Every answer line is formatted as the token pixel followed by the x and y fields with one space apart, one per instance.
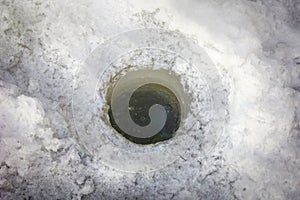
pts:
pixel 254 45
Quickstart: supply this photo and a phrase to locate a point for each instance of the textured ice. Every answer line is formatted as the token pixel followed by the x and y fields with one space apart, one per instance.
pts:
pixel 255 45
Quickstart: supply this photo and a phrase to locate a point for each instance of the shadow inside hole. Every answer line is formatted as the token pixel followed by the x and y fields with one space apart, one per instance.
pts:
pixel 141 101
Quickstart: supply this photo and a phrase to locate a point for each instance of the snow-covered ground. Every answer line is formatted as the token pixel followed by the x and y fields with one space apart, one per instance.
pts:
pixel 254 46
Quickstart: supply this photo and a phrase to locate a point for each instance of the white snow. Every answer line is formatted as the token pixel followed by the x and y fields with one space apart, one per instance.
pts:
pixel 255 47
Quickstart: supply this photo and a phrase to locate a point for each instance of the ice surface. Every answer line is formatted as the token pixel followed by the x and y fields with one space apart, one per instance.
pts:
pixel 255 46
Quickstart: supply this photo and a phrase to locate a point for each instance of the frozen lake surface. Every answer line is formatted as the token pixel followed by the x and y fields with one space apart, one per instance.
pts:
pixel 239 63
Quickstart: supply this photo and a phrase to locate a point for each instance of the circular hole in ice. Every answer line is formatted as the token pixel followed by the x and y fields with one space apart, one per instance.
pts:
pixel 143 109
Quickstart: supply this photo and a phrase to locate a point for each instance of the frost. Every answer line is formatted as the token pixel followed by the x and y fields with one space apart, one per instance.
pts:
pixel 254 46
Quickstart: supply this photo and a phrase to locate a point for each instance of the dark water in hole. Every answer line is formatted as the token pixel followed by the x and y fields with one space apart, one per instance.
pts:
pixel 141 101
